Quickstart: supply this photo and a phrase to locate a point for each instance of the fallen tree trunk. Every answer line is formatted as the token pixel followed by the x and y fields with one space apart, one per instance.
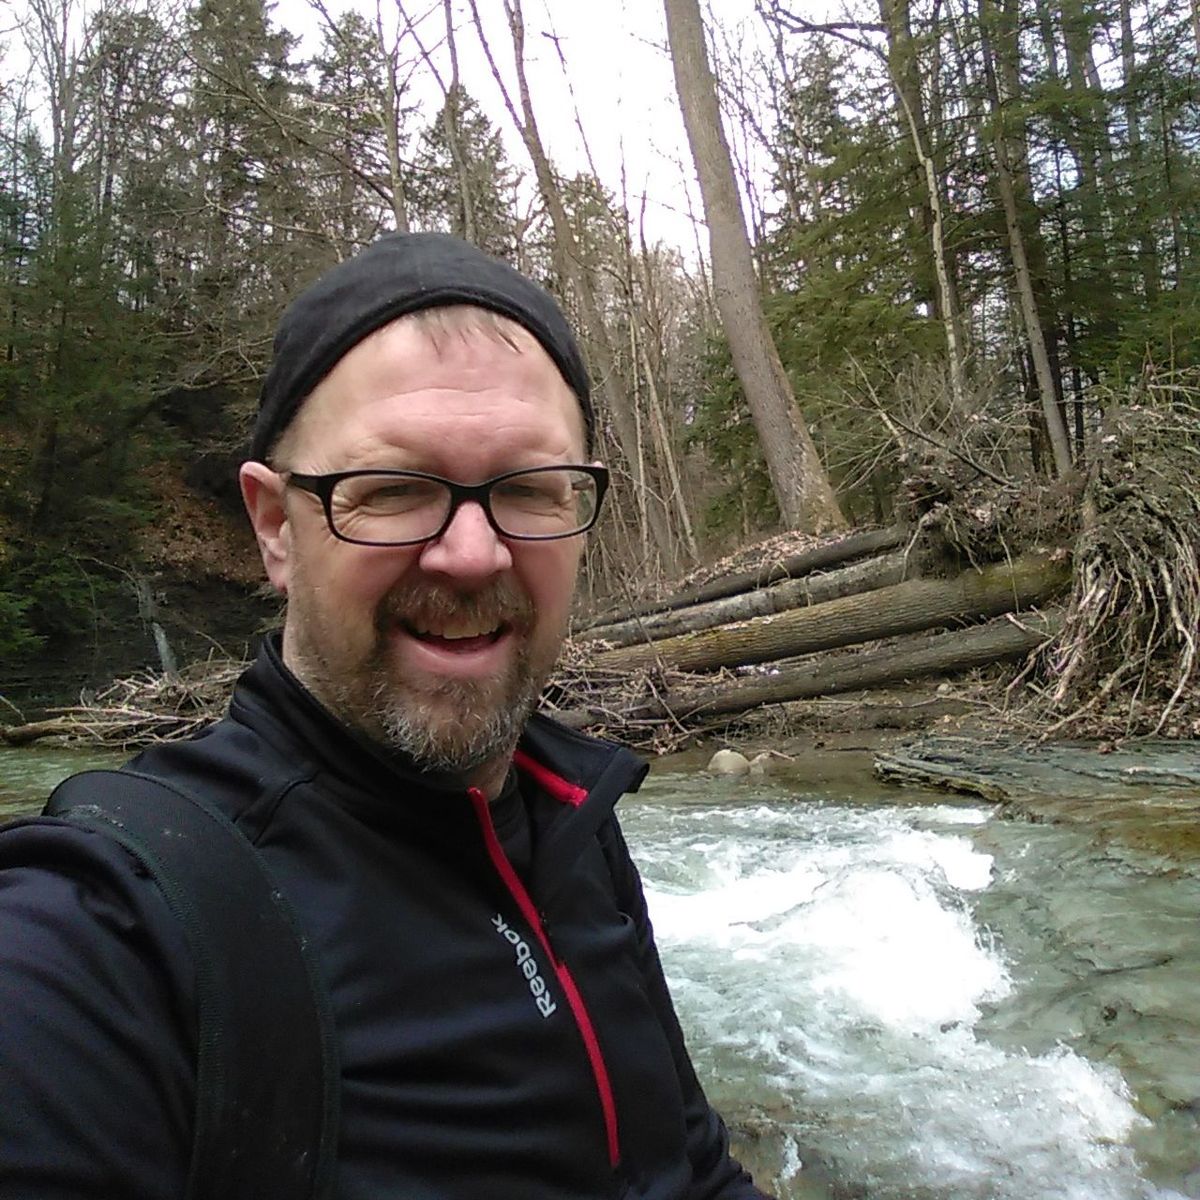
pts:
pixel 24 735
pixel 828 554
pixel 903 608
pixel 792 593
pixel 999 640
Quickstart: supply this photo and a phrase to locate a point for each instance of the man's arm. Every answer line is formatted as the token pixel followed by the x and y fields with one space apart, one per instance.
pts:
pixel 96 1046
pixel 715 1174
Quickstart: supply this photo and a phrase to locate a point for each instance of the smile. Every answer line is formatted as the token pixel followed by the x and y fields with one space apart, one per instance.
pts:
pixel 462 632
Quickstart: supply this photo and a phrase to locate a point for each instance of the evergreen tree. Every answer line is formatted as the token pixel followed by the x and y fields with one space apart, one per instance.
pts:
pixel 485 182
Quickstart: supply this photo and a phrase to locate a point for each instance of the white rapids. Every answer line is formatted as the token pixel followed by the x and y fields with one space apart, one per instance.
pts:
pixel 830 975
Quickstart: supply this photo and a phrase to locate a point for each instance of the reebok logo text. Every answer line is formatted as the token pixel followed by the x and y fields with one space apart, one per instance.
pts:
pixel 527 964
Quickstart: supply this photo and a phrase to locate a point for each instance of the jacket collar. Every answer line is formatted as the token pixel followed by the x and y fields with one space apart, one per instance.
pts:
pixel 559 761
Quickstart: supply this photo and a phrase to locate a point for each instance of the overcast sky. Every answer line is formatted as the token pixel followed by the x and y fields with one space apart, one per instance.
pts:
pixel 617 75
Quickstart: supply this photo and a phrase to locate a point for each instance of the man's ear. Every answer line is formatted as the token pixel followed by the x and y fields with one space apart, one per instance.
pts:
pixel 263 494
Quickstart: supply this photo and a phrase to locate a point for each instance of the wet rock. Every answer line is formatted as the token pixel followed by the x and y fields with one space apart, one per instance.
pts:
pixel 762 764
pixel 729 762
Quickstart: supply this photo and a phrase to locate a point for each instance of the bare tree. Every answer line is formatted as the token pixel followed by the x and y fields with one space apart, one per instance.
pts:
pixel 569 262
pixel 1010 153
pixel 904 71
pixel 802 489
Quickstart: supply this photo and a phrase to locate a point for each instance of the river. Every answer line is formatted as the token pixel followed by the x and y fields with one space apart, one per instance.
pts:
pixel 893 997
pixel 918 1001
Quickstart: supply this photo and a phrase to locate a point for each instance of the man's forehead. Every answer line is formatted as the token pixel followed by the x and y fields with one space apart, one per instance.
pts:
pixel 460 339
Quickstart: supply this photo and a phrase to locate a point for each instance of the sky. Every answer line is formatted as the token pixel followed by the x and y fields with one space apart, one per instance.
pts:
pixel 617 78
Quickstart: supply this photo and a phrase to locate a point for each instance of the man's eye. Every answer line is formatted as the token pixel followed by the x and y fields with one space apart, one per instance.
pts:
pixel 397 494
pixel 518 491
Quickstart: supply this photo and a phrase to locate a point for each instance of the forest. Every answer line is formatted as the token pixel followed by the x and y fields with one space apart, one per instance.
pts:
pixel 942 273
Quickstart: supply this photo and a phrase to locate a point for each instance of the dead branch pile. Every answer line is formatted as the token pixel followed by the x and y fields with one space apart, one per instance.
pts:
pixel 632 706
pixel 141 709
pixel 967 508
pixel 1125 663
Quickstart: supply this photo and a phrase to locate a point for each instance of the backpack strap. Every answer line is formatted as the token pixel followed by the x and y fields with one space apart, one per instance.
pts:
pixel 267 1078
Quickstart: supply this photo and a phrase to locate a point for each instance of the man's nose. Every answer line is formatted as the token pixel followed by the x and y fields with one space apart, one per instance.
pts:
pixel 469 549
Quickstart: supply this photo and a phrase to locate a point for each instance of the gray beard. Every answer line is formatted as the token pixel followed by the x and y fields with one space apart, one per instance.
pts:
pixel 477 738
pixel 454 726
pixel 450 725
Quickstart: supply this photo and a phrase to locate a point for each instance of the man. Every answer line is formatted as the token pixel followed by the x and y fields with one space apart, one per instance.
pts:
pixel 419 485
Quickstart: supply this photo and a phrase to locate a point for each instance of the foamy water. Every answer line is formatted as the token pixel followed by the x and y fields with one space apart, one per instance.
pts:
pixel 830 975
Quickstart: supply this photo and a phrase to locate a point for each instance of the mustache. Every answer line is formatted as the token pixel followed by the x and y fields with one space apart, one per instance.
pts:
pixel 499 603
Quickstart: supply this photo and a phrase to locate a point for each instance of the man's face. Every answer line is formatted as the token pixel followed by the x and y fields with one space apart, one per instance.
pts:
pixel 438 649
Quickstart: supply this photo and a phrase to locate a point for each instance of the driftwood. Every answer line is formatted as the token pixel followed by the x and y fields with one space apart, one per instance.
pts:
pixel 34 731
pixel 908 607
pixel 859 577
pixel 141 709
pixel 905 771
pixel 817 558
pixel 685 703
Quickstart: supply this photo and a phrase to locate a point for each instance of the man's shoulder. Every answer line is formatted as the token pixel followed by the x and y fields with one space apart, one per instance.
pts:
pixel 581 757
pixel 231 766
pixel 68 892
pixel 95 1017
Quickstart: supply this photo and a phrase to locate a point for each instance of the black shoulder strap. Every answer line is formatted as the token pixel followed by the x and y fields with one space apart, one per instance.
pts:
pixel 267 1080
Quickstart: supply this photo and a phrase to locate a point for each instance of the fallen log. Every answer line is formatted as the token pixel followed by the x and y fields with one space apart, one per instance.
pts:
pixel 1000 640
pixel 863 576
pixel 908 607
pixel 828 554
pixel 33 731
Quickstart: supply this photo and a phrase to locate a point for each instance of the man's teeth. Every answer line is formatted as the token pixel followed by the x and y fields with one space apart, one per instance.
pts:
pixel 457 630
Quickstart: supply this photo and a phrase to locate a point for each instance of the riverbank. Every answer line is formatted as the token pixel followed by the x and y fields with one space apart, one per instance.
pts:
pixel 1141 795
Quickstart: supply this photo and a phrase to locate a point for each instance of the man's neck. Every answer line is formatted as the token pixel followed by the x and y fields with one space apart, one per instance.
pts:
pixel 490 776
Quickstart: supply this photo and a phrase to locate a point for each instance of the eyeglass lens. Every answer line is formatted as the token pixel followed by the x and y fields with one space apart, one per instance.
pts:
pixel 387 509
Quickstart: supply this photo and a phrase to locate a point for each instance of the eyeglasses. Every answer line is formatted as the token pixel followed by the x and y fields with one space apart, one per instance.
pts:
pixel 402 508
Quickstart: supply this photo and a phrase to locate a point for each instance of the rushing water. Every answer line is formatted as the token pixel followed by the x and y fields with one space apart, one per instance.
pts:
pixel 904 1001
pixel 910 1001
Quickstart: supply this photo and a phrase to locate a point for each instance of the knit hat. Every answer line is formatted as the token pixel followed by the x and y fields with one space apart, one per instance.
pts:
pixel 398 274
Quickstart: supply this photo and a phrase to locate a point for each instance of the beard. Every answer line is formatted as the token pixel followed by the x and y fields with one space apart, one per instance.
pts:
pixel 444 725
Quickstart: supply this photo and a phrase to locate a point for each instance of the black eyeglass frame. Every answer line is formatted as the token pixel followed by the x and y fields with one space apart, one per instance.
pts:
pixel 322 486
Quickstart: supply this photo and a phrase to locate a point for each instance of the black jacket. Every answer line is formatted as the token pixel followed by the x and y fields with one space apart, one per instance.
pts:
pixel 500 1035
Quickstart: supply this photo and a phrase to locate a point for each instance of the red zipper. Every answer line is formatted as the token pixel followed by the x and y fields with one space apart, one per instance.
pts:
pixel 584 1022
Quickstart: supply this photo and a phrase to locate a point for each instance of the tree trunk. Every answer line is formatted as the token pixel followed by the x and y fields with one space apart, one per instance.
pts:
pixel 388 115
pixel 450 115
pixel 999 640
pixel 1147 251
pixel 666 454
pixel 802 489
pixel 793 593
pixel 903 608
pixel 1008 156
pixel 904 69
pixel 24 735
pixel 569 262
pixel 827 554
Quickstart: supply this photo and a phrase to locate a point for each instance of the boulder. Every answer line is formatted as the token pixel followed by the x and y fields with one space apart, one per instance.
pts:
pixel 729 762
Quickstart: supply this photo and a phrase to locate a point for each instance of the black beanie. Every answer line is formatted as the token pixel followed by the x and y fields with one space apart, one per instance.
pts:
pixel 398 274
